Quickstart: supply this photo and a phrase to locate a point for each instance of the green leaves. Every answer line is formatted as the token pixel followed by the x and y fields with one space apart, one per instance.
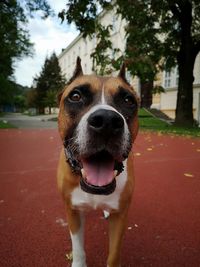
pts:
pixel 85 16
pixel 159 35
pixel 15 40
pixel 38 5
pixel 48 83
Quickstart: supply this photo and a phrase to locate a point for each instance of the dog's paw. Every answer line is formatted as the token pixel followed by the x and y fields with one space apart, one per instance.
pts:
pixel 78 261
pixel 79 264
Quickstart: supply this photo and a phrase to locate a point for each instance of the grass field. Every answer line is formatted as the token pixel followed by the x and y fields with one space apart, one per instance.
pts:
pixel 5 125
pixel 149 122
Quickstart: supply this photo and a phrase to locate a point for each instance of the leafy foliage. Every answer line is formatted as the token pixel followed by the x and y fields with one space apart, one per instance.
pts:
pixel 160 34
pixel 154 31
pixel 102 58
pixel 31 98
pixel 15 39
pixel 84 14
pixel 48 83
pixel 51 99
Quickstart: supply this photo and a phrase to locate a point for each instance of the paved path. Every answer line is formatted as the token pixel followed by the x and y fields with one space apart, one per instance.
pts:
pixel 24 121
pixel 164 222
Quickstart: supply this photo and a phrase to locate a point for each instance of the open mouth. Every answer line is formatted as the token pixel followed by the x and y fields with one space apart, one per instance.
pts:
pixel 98 173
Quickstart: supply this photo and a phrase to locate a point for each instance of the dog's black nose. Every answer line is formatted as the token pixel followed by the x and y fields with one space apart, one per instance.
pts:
pixel 106 122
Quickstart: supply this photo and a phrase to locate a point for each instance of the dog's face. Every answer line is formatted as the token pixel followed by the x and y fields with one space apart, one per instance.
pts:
pixel 98 120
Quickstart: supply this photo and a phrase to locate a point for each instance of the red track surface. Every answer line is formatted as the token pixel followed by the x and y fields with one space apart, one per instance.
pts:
pixel 164 221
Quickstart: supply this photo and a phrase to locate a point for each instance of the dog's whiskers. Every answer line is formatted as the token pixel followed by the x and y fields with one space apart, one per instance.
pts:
pixel 72 146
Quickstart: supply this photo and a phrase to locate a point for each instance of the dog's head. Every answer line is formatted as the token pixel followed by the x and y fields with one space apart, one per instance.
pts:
pixel 98 125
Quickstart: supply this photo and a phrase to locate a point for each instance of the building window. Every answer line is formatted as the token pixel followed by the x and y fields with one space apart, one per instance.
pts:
pixel 128 76
pixel 74 57
pixel 79 51
pixel 113 54
pixel 171 78
pixel 114 24
pixel 85 48
pixel 176 76
pixel 94 41
pixel 167 82
pixel 69 60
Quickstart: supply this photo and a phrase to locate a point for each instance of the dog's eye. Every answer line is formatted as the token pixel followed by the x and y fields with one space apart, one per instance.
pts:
pixel 75 96
pixel 129 100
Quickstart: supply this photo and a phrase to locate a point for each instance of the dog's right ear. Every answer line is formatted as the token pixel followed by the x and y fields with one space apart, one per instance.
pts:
pixel 77 72
pixel 122 73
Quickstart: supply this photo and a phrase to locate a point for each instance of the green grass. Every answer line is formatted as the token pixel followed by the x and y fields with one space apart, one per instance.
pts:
pixel 147 123
pixel 6 125
pixel 150 123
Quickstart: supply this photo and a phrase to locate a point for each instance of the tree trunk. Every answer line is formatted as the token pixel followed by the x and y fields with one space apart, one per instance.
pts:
pixel 146 94
pixel 41 110
pixel 184 106
pixel 49 110
pixel 186 58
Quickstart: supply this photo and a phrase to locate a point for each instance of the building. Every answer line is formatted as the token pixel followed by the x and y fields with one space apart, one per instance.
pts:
pixel 83 47
pixel 165 102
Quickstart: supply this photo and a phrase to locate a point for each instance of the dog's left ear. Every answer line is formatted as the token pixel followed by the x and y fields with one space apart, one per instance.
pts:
pixel 78 70
pixel 122 73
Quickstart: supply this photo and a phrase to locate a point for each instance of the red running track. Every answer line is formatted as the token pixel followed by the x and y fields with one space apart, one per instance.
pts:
pixel 164 222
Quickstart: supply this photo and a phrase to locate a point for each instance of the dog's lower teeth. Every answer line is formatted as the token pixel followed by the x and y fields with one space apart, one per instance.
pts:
pixel 83 173
pixel 115 172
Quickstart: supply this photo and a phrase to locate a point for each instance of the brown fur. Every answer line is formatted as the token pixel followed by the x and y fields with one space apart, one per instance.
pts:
pixel 68 181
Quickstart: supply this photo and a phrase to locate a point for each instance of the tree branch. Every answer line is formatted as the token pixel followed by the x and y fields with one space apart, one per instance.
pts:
pixel 173 7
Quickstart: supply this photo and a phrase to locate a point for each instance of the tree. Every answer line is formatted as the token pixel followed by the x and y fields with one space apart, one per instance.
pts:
pixel 101 56
pixel 51 99
pixel 48 83
pixel 31 97
pixel 15 39
pixel 160 34
pixel 176 38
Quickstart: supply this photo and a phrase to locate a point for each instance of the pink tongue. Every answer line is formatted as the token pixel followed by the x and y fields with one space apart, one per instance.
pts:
pixel 98 173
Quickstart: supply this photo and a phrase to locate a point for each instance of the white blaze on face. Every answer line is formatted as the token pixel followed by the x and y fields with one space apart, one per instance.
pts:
pixel 82 137
pixel 103 100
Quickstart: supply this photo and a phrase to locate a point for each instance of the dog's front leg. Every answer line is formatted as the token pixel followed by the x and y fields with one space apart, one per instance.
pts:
pixel 117 225
pixel 75 221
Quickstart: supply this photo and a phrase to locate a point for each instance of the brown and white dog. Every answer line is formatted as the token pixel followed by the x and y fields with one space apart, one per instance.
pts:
pixel 98 125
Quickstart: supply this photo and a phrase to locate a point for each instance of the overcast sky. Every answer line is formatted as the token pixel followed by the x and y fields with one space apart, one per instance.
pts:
pixel 47 35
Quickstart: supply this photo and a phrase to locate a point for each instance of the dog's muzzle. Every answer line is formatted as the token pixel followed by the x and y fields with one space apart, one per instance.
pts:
pixel 105 123
pixel 99 163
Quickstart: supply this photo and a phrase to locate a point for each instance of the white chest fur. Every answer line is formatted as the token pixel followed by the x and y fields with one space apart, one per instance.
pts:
pixel 83 200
